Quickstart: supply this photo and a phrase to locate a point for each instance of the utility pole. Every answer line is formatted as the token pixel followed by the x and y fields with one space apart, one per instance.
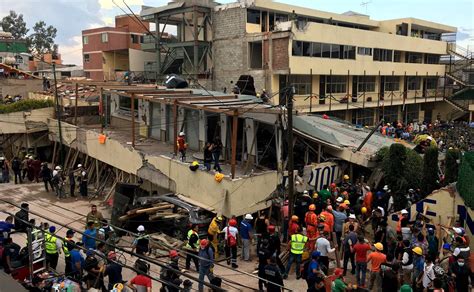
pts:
pixel 58 116
pixel 291 179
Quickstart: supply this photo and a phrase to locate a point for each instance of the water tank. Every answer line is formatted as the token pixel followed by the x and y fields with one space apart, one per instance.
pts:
pixel 9 60
pixel 5 35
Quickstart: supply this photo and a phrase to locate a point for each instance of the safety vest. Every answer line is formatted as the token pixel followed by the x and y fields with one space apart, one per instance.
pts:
pixel 190 233
pixel 298 242
pixel 50 243
pixel 65 249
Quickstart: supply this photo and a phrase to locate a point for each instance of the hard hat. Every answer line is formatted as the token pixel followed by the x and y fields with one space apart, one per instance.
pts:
pixel 429 138
pixel 388 124
pixel 363 210
pixel 182 134
pixel 57 167
pixel 352 216
pixel 322 218
pixel 286 202
pixel 263 89
pixel 345 193
pixel 219 218
pixel 385 187
pixel 346 176
pixel 195 163
pixel 339 199
pixel 379 246
pixel 204 243
pixel 233 222
pixel 404 211
pixel 52 229
pixel 333 185
pixel 459 230
pixel 411 190
pixel 294 218
pixel 305 192
pixel 312 207
pixel 338 272
pixel 347 202
pixel 367 188
pixel 218 177
pixel 417 250
pixel 248 217
pixel 315 195
pixel 140 228
pixel 173 253
pixel 343 206
pixel 271 228
pixel 2 158
pixel 79 165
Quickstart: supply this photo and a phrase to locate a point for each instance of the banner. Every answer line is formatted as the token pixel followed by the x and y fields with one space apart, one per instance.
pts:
pixel 316 176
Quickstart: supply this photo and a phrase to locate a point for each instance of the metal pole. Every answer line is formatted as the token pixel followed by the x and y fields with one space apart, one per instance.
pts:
pixel 311 97
pixel 330 89
pixel 58 115
pixel 175 126
pixel 370 135
pixel 102 110
pixel 348 94
pixel 365 88
pixel 291 184
pixel 235 124
pixel 132 99
pixel 75 105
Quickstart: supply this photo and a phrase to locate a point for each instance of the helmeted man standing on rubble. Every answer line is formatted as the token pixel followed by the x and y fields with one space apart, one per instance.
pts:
pixel 213 231
pixel 82 180
pixel 192 247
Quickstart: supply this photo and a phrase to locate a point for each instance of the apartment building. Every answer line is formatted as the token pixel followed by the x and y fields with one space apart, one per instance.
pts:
pixel 13 52
pixel 348 65
pixel 108 52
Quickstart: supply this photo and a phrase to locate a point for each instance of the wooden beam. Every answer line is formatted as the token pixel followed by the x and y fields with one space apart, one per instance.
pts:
pixel 75 105
pixel 97 174
pixel 175 127
pixel 132 99
pixel 235 123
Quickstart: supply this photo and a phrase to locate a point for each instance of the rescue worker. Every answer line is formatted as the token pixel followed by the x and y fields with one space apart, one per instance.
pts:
pixel 213 232
pixel 67 247
pixel 352 221
pixel 377 258
pixel 169 274
pixel 329 217
pixel 293 226
pixel 273 276
pixel 297 246
pixel 407 262
pixel 47 176
pixel 275 246
pixel 83 180
pixel 53 248
pixel 58 182
pixel 95 216
pixel 246 236
pixel 142 242
pixel 192 247
pixel 264 253
pixel 231 233
pixel 311 220
pixel 182 146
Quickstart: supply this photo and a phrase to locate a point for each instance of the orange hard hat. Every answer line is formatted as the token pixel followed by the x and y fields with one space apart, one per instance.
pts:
pixel 343 206
pixel 294 218
pixel 312 207
pixel 271 228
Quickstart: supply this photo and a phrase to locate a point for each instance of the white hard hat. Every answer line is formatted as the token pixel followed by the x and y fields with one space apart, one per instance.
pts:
pixel 182 134
pixel 58 167
pixel 352 216
pixel 367 188
pixel 79 165
pixel 248 217
pixel 83 173
pixel 140 228
pixel 339 200
pixel 2 158
pixel 385 187
pixel 404 211
pixel 305 192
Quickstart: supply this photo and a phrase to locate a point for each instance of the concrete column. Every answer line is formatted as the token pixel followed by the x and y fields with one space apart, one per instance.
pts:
pixel 181 117
pixel 251 135
pixel 223 122
pixel 202 129
pixel 278 146
pixel 163 122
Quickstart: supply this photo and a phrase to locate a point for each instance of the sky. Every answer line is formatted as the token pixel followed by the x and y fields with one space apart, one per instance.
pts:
pixel 70 17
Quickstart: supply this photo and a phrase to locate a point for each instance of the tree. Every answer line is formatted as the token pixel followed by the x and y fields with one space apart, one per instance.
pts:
pixel 42 40
pixel 452 166
pixel 14 24
pixel 430 180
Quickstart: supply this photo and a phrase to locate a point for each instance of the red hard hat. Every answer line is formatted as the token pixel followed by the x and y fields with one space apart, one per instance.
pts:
pixel 233 222
pixel 173 253
pixel 204 243
pixel 333 185
pixel 271 228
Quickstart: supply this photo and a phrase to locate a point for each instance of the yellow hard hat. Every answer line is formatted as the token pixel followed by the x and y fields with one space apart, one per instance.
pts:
pixel 312 207
pixel 322 218
pixel 219 218
pixel 315 195
pixel 347 202
pixel 195 163
pixel 218 177
pixel 363 210
pixel 417 250
pixel 346 176
pixel 378 246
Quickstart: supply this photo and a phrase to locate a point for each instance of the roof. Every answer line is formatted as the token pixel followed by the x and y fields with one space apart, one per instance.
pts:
pixel 150 11
pixel 339 134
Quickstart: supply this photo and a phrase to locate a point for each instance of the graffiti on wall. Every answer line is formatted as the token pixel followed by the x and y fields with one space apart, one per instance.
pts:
pixel 317 176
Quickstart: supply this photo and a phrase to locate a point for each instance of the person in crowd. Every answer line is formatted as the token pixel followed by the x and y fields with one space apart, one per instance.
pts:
pixel 213 232
pixel 89 236
pixel 230 233
pixel 192 247
pixel 377 258
pixel 16 168
pixel 297 247
pixel 360 249
pixel 113 270
pixel 141 244
pixel 169 273
pixel 182 146
pixel 22 218
pixel 10 256
pixel 324 247
pixel 216 153
pixel 246 234
pixel 47 176
pixel 206 262
pixel 274 276
pixel 95 216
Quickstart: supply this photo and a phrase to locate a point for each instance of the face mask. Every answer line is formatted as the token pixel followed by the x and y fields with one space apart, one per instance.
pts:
pixel 461 264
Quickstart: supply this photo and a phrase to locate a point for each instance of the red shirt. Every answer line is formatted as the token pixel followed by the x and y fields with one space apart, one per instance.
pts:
pixel 141 280
pixel 361 250
pixel 293 228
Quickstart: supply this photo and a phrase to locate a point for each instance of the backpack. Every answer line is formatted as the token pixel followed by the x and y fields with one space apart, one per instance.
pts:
pixel 231 240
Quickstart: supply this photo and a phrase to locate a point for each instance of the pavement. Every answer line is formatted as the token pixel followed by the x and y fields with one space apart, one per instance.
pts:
pixel 71 212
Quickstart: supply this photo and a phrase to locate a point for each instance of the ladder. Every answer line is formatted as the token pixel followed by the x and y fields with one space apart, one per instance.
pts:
pixel 36 250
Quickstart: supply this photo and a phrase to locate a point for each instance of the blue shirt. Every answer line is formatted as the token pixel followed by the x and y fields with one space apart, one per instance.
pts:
pixel 5 229
pixel 206 257
pixel 245 229
pixel 312 266
pixel 339 218
pixel 76 257
pixel 88 239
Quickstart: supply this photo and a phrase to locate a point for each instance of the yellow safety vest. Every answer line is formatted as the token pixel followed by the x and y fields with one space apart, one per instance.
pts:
pixel 50 244
pixel 65 249
pixel 298 242
pixel 190 233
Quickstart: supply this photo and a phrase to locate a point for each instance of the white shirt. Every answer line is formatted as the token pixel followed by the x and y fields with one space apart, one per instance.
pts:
pixel 323 246
pixel 428 275
pixel 232 230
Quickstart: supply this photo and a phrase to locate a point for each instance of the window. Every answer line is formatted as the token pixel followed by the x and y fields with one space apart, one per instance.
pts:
pixel 253 16
pixel 364 51
pixel 349 52
pixel 392 83
pixel 18 59
pixel 281 17
pixel 88 75
pixel 413 83
pixel 307 49
pixel 86 58
pixel 302 84
pixel 431 83
pixel 104 37
pixel 316 50
pixel 391 113
pixel 326 50
pixel 364 117
pixel 85 40
pixel 126 104
pixel 255 55
pixel 431 59
pixel 336 84
pixel 297 48
pixel 383 55
pixel 135 38
pixel 414 57
pixel 366 83
pixel 335 51
pixel 397 56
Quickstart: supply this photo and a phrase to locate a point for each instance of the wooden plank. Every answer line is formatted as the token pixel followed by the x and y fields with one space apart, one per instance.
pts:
pixel 97 177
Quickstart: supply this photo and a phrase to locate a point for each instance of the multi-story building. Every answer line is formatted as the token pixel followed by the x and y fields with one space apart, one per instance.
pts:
pixel 348 65
pixel 13 52
pixel 110 51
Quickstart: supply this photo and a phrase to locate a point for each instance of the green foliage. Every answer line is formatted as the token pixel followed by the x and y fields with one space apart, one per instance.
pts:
pixel 430 171
pixel 451 166
pixel 14 24
pixel 25 105
pixel 42 39
pixel 465 183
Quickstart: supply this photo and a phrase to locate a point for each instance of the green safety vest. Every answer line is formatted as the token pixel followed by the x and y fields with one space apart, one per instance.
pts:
pixel 190 233
pixel 50 243
pixel 298 242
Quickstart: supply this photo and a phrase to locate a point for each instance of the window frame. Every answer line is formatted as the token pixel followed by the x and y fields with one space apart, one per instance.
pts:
pixel 364 51
pixel 337 83
pixel 104 37
pixel 392 82
pixel 412 81
pixel 86 59
pixel 85 39
pixel 258 19
pixel 301 83
pixel 364 85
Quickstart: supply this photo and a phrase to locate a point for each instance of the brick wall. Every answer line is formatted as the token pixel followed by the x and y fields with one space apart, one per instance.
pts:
pixel 229 23
pixel 280 56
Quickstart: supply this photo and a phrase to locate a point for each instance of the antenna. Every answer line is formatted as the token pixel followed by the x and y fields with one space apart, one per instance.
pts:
pixel 365 4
